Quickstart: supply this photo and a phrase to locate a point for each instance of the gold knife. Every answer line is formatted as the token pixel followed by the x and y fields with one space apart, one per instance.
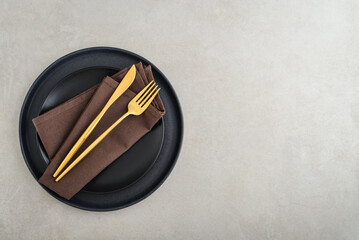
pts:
pixel 122 87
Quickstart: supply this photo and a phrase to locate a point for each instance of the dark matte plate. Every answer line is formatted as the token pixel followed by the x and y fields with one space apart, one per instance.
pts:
pixel 139 171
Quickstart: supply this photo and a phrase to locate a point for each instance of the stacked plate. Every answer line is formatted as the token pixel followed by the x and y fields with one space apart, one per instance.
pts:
pixel 134 175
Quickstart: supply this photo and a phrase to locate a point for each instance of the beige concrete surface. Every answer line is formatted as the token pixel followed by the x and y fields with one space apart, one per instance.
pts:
pixel 270 95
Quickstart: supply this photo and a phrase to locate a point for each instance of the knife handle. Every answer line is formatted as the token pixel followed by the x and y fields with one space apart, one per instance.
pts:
pixel 81 140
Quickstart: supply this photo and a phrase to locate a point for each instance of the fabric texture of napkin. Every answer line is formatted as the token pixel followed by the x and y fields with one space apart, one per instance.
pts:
pixel 60 128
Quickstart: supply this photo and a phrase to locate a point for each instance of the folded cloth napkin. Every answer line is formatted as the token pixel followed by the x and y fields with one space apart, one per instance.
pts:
pixel 60 128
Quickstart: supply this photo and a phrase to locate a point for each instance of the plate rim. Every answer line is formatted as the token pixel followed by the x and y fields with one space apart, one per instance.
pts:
pixel 46 71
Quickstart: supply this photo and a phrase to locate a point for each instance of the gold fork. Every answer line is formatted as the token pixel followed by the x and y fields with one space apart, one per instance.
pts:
pixel 136 107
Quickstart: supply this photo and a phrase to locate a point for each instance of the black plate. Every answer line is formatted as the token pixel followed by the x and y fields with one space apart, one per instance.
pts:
pixel 139 171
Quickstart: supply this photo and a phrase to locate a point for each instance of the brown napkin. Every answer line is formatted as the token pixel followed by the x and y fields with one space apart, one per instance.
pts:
pixel 60 128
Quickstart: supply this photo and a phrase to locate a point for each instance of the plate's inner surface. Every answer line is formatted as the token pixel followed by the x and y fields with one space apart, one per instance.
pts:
pixel 132 164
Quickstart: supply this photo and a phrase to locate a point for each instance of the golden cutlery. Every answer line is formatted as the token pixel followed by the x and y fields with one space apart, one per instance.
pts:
pixel 121 88
pixel 136 107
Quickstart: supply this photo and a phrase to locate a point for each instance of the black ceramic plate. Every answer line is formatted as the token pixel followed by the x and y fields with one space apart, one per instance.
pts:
pixel 139 171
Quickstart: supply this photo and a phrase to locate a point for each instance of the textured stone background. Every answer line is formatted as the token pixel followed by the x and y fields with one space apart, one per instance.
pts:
pixel 269 91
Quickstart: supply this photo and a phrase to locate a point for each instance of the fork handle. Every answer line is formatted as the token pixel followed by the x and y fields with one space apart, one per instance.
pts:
pixel 80 141
pixel 92 146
